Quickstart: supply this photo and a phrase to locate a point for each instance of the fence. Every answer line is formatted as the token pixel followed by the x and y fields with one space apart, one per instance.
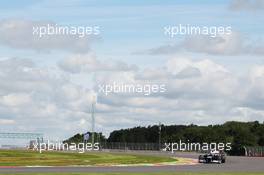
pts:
pixel 130 146
pixel 254 151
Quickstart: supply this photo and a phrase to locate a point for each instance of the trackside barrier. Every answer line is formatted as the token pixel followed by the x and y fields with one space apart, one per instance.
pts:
pixel 130 146
pixel 254 151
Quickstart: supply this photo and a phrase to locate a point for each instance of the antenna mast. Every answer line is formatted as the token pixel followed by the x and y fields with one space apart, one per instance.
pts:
pixel 94 99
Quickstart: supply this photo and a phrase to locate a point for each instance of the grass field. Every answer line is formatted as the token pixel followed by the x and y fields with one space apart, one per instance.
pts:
pixel 141 174
pixel 31 158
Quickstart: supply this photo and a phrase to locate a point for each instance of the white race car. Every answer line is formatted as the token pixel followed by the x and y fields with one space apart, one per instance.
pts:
pixel 213 157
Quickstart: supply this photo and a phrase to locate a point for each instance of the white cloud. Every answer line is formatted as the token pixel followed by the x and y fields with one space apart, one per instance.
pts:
pixel 257 72
pixel 16 100
pixel 233 44
pixel 208 97
pixel 200 92
pixel 177 65
pixel 6 121
pixel 18 34
pixel 89 63
pixel 248 5
pixel 40 99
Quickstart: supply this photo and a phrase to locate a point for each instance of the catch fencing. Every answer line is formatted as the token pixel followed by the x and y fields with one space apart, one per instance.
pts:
pixel 254 151
pixel 131 146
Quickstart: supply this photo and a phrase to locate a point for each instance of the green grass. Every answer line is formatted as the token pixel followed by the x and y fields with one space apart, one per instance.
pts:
pixel 140 174
pixel 32 158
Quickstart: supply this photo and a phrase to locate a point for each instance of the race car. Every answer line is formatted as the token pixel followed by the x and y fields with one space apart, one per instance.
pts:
pixel 213 157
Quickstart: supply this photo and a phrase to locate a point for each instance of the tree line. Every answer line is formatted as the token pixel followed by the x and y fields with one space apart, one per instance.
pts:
pixel 240 134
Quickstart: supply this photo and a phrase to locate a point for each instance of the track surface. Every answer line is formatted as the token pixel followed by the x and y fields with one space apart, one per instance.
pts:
pixel 233 164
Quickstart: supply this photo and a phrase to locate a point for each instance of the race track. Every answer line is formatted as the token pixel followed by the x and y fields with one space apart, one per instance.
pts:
pixel 233 164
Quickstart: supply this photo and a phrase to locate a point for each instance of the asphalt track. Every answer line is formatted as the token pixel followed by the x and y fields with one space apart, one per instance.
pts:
pixel 233 164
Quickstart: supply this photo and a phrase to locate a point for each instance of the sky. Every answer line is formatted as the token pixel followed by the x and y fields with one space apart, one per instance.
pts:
pixel 46 83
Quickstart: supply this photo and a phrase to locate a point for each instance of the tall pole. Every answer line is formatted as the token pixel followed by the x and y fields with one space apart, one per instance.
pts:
pixel 94 99
pixel 159 136
pixel 93 117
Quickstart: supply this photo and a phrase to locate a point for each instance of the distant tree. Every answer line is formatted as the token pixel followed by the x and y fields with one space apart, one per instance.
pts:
pixel 79 138
pixel 238 133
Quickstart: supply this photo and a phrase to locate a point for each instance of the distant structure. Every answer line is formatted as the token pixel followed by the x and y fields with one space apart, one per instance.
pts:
pixel 159 135
pixel 94 100
pixel 86 137
pixel 254 151
pixel 21 135
pixel 93 115
pixel 37 137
